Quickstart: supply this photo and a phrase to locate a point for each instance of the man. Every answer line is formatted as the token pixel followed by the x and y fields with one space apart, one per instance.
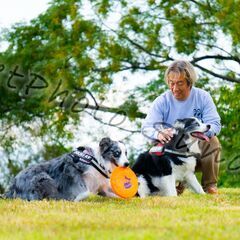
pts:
pixel 181 101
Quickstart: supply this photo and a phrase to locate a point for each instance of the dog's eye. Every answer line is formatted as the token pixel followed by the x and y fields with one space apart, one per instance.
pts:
pixel 116 154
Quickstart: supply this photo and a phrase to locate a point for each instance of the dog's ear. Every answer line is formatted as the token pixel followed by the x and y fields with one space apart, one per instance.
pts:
pixel 175 131
pixel 179 124
pixel 105 144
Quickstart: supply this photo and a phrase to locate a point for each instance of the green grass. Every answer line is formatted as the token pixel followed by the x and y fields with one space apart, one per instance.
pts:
pixel 189 216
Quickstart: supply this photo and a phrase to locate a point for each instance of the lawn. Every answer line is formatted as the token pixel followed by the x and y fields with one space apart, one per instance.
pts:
pixel 189 216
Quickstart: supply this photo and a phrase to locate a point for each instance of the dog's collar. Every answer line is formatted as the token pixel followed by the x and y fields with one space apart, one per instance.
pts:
pixel 182 154
pixel 85 155
pixel 160 150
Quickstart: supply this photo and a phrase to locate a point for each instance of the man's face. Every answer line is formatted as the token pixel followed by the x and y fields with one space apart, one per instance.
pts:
pixel 178 85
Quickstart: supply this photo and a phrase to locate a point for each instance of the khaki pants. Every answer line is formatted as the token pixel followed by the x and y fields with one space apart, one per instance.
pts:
pixel 209 162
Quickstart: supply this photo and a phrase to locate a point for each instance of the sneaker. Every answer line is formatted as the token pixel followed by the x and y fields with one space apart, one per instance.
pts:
pixel 211 190
pixel 180 188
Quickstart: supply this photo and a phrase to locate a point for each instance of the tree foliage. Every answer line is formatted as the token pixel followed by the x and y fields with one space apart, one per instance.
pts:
pixel 67 59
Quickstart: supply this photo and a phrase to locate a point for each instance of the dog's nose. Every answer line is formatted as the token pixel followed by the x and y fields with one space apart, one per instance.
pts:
pixel 126 164
pixel 208 127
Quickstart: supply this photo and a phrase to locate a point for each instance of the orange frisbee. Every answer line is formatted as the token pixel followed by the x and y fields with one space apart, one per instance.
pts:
pixel 124 182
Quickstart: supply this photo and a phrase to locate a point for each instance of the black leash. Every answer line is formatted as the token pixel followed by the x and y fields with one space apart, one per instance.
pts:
pixel 160 150
pixel 79 155
pixel 182 154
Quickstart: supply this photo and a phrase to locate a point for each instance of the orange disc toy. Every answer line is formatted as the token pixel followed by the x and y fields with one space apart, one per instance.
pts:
pixel 124 182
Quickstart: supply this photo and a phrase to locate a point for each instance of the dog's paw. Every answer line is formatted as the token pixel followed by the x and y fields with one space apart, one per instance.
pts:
pixel 82 196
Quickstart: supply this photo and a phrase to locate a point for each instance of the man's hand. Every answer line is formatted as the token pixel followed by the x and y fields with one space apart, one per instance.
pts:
pixel 164 136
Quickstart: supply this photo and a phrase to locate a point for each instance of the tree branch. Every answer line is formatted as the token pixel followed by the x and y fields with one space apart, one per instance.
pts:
pixel 108 109
pixel 125 68
pixel 198 3
pixel 166 58
pixel 231 58
pixel 216 75
pixel 213 46
pixel 112 125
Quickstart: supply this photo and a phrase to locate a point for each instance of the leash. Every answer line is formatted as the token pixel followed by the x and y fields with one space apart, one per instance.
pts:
pixel 186 154
pixel 160 150
pixel 79 155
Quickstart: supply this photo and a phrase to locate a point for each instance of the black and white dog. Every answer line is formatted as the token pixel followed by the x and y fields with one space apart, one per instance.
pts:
pixel 71 176
pixel 159 171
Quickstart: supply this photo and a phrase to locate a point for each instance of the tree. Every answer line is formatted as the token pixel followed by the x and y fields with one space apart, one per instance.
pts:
pixel 67 59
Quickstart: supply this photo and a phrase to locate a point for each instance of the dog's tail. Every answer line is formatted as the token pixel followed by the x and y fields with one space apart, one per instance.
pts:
pixel 10 193
pixel 2 196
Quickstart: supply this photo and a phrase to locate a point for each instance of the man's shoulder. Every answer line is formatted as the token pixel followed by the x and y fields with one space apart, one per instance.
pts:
pixel 166 94
pixel 163 97
pixel 200 92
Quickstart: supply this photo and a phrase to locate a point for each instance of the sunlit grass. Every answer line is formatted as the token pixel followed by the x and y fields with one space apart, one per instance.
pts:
pixel 189 216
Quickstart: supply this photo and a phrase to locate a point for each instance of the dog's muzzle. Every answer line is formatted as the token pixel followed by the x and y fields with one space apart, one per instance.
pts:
pixel 200 136
pixel 125 164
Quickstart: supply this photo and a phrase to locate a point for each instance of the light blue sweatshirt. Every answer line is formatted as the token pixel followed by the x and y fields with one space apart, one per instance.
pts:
pixel 166 108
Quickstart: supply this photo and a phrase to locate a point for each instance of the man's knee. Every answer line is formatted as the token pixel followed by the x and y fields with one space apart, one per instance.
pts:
pixel 210 155
pixel 211 149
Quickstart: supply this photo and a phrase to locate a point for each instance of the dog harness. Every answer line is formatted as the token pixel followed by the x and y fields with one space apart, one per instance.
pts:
pixel 160 150
pixel 85 155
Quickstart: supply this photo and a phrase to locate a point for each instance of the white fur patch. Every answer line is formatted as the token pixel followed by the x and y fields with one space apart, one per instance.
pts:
pixel 143 189
pixel 166 185
pixel 123 158
pixel 94 180
pixel 180 171
pixel 194 147
pixel 81 196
